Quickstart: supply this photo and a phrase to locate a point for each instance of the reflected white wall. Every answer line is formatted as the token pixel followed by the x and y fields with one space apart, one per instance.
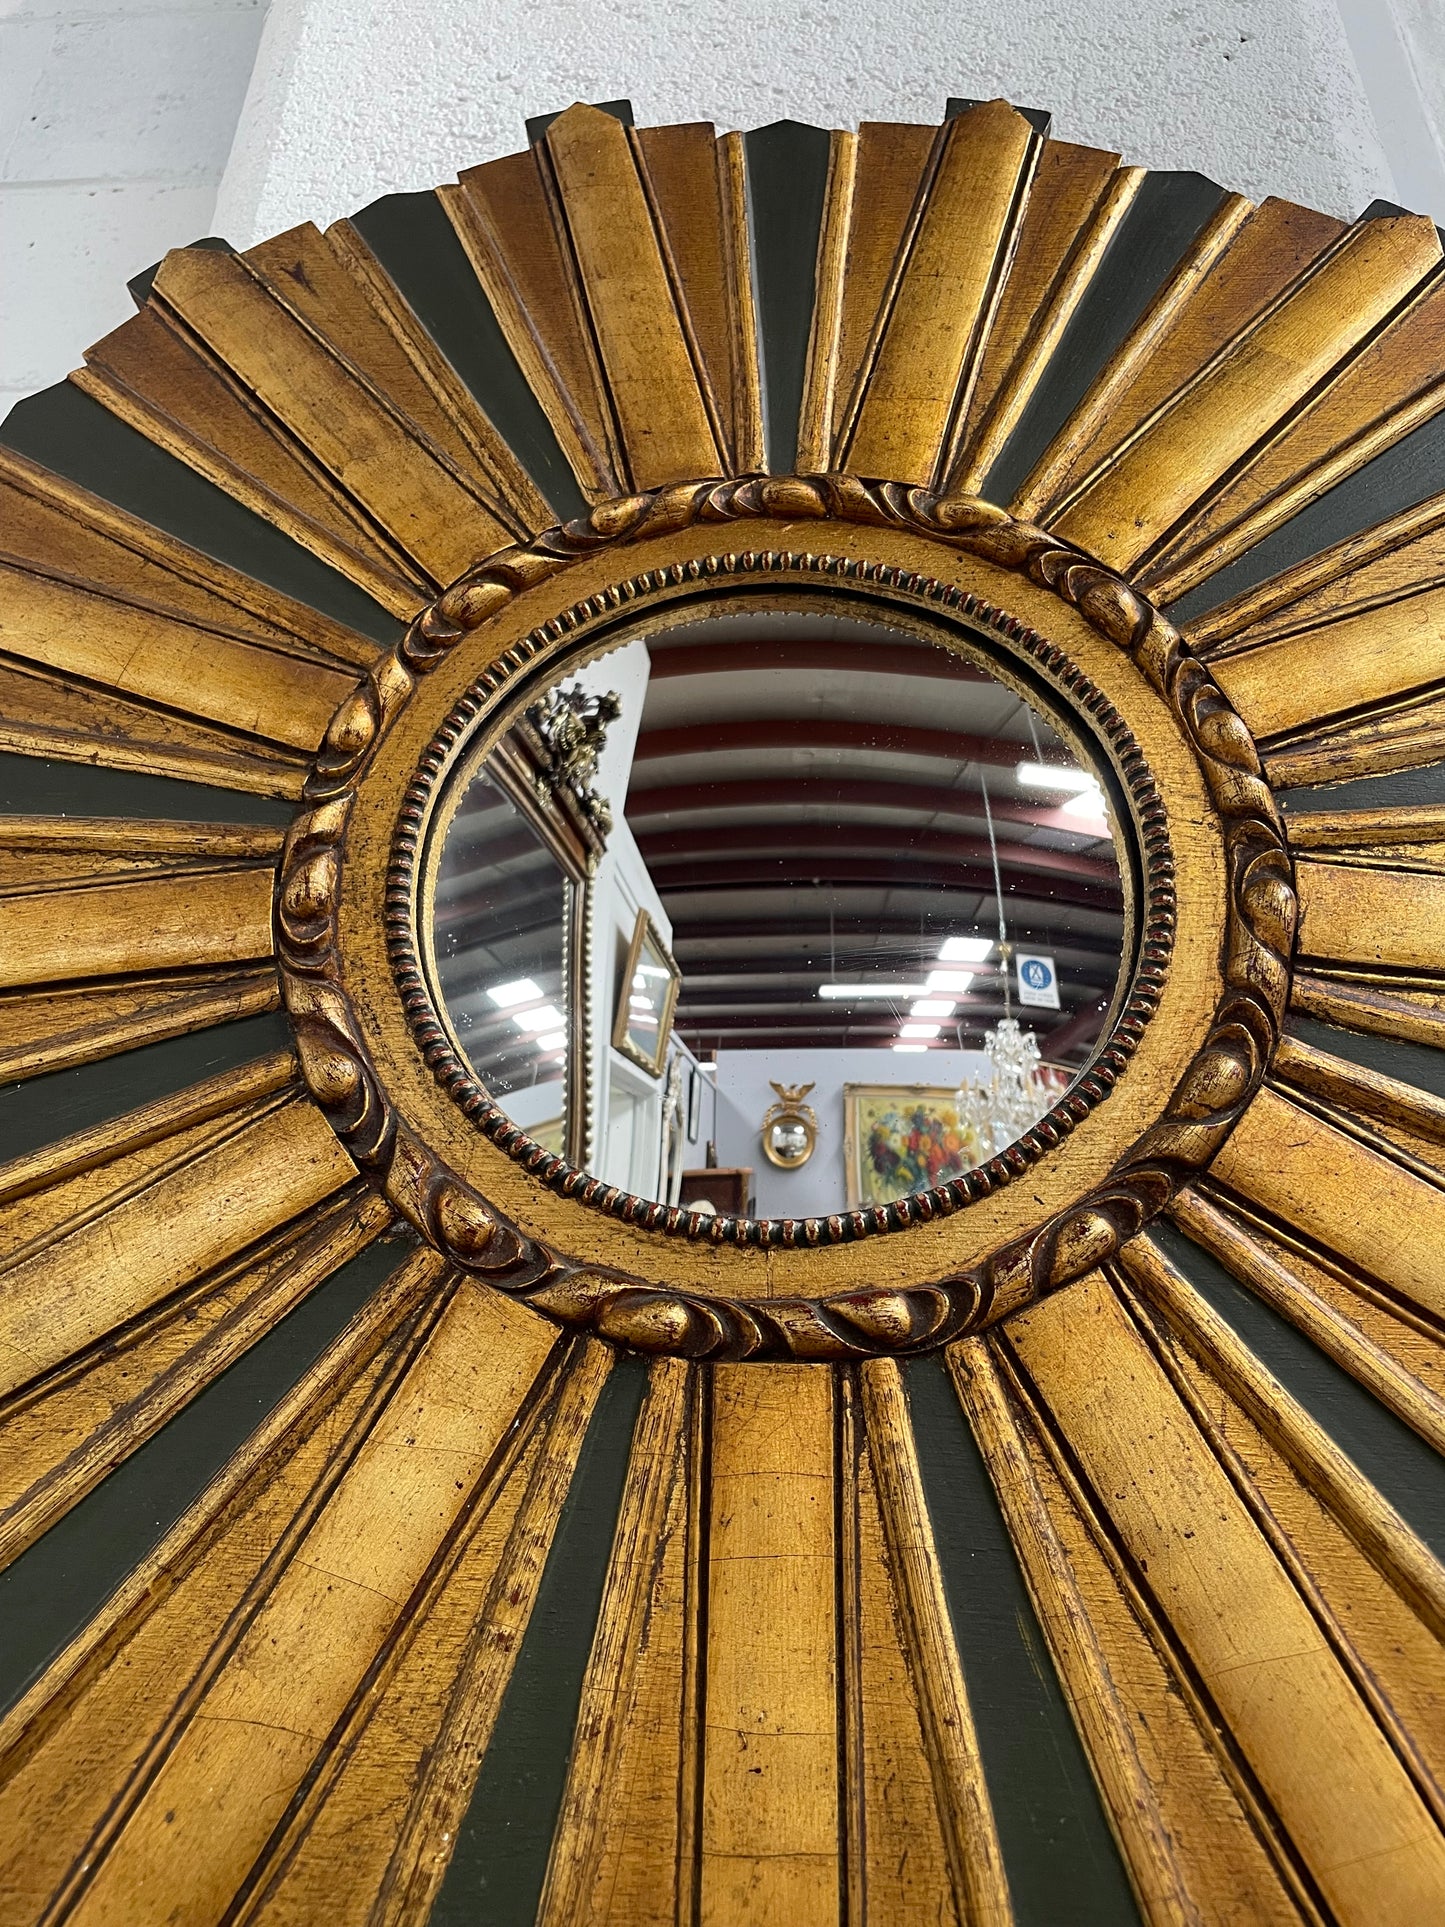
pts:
pixel 744 1092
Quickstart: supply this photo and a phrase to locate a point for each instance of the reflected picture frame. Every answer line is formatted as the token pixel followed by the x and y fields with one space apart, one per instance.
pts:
pixel 937 1107
pixel 645 953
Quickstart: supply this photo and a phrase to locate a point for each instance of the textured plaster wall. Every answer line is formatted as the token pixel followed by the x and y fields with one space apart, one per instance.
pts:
pixel 354 100
pixel 115 123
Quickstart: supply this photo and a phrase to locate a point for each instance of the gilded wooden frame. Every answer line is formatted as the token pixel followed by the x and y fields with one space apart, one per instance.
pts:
pixel 1062 1541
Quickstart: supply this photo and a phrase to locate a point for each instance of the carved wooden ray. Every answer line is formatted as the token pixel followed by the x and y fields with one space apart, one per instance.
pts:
pixel 1128 1608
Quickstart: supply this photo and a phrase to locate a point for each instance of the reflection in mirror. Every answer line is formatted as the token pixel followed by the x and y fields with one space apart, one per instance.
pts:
pixel 646 999
pixel 756 848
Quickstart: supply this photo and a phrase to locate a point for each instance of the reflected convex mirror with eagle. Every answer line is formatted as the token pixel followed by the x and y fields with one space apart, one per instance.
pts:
pixel 773 849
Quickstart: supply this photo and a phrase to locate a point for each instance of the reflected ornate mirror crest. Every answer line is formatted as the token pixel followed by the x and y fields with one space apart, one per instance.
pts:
pixel 790 1127
pixel 491 691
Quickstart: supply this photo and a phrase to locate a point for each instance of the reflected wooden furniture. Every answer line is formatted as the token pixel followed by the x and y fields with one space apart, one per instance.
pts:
pixel 727 1188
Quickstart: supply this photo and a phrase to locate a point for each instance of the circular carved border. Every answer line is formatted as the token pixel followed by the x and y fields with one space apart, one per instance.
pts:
pixel 457 1078
pixel 1259 921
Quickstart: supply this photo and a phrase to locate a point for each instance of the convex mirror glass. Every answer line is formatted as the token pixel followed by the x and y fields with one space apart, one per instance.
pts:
pixel 752 847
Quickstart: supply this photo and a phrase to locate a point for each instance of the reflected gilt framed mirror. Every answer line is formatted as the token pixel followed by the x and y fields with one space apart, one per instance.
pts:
pixel 646 999
pixel 490 690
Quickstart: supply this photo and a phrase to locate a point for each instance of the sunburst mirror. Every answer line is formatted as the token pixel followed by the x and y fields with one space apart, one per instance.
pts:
pixel 930 613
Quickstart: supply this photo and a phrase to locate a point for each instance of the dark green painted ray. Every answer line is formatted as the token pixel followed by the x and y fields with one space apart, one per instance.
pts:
pixel 787 179
pixel 50 786
pixel 1166 215
pixel 1393 790
pixel 48 1593
pixel 67 431
pixel 39 1110
pixel 500 1860
pixel 1408 1473
pixel 418 246
pixel 1416 1064
pixel 1059 1854
pixel 1410 472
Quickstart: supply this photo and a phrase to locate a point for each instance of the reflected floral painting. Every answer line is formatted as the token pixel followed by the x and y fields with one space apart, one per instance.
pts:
pixel 903 1141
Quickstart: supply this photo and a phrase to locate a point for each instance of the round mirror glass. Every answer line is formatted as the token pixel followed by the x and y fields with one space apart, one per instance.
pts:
pixel 781 909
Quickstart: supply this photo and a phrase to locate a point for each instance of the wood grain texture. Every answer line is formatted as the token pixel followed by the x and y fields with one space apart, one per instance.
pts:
pixel 1389 1650
pixel 924 357
pixel 54 526
pixel 71 1746
pixel 685 173
pixel 141 652
pixel 1284 1432
pixel 43 713
pixel 1399 556
pixel 1077 198
pixel 65 1431
pixel 227 1761
pixel 666 428
pixel 617 1849
pixel 1357 914
pixel 1160 475
pixel 1396 1356
pixel 158 379
pixel 1388 650
pixel 1397 1119
pixel 1066 458
pixel 1382 1009
pixel 56 1028
pixel 402 482
pixel 1274 244
pixel 108 1246
pixel 373 1829
pixel 1385 391
pixel 216 915
pixel 1189 1831
pixel 898 1862
pixel 771 1798
pixel 874 179
pixel 338 287
pixel 504 216
pixel 971 1840
pixel 1359 1823
pixel 1308 1172
pixel 282 1715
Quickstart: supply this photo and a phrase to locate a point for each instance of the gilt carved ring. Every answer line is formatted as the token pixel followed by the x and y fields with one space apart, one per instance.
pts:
pixel 416 1121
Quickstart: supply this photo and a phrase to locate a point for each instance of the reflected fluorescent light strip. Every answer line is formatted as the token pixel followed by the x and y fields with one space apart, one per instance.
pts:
pixel 523 991
pixel 1088 803
pixel 964 949
pixel 919 1030
pixel 546 1017
pixel 1052 776
pixel 857 992
pixel 932 1007
pixel 955 982
pixel 910 1047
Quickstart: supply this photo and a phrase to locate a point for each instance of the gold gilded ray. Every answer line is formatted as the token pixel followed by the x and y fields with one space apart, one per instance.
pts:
pixel 1094 1565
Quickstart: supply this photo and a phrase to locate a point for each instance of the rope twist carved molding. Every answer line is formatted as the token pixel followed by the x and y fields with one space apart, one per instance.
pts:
pixel 1259 920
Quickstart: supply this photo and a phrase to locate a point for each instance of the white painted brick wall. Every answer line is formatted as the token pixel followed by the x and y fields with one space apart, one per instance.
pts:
pixel 115 123
pixel 117 118
pixel 352 98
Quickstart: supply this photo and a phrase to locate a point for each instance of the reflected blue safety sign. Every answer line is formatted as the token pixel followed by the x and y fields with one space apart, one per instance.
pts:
pixel 1038 980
